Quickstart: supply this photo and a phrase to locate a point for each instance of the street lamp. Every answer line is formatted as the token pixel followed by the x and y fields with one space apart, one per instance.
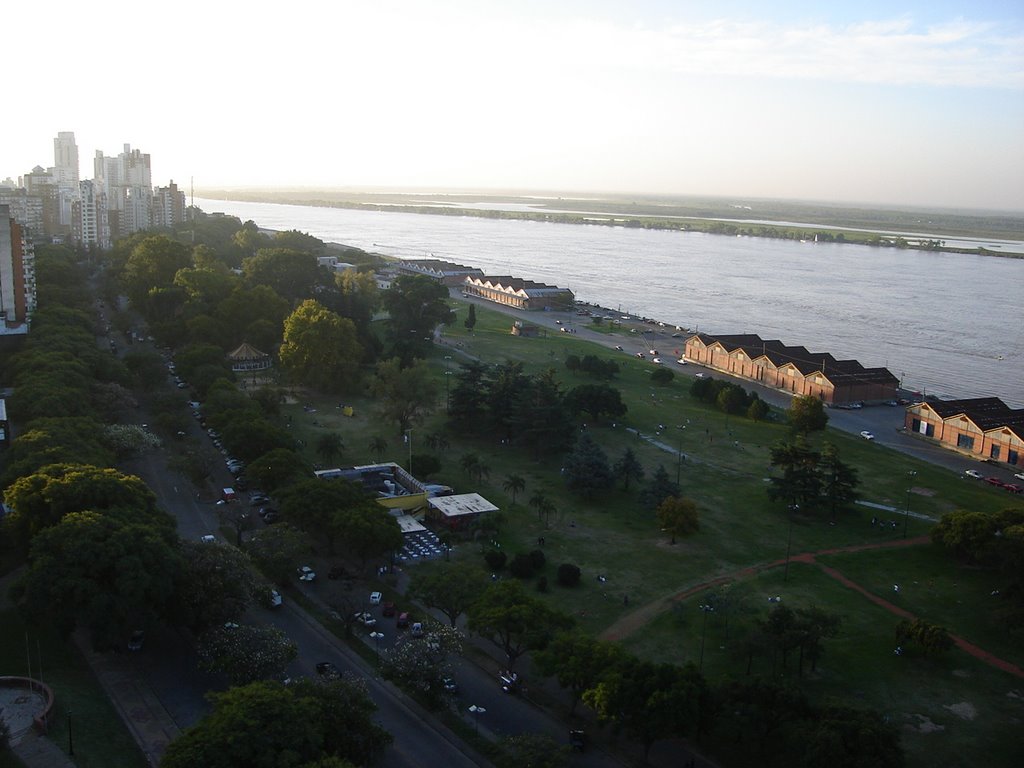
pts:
pixel 377 637
pixel 477 711
pixel 793 508
pixel 679 452
pixel 447 373
pixel 408 439
pixel 906 515
pixel 71 743
pixel 706 609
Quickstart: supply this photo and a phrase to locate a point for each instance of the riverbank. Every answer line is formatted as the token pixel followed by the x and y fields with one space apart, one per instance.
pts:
pixel 1002 234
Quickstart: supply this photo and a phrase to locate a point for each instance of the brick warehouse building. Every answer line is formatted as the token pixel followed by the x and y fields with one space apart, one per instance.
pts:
pixel 985 427
pixel 792 369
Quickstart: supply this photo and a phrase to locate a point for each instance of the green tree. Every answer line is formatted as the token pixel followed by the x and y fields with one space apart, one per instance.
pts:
pixel 807 414
pixel 531 750
pixel 320 348
pixel 277 550
pixel 470 322
pixel 586 469
pixel 628 468
pixel 678 517
pixel 662 376
pixel 153 263
pixel 217 585
pixel 278 726
pixel 578 661
pixel 514 621
pixel 847 737
pixel 598 400
pixel 290 273
pixel 277 469
pixel 106 571
pixel 42 499
pixel 416 305
pixel 514 484
pixel 422 666
pixel 377 446
pixel 932 638
pixel 839 480
pixel 800 483
pixel 329 447
pixel 468 401
pixel 370 531
pixel 658 488
pixel 245 654
pixel 448 587
pixel 542 504
pixel 405 395
pixel 315 506
pixel 649 701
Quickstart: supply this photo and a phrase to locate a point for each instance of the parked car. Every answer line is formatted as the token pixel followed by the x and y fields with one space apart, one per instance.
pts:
pixel 449 685
pixel 136 640
pixel 867 435
pixel 656 360
pixel 417 629
pixel 306 573
pixel 509 681
pixel 618 347
pixel 681 361
pixel 375 598
pixel 366 619
pixel 975 474
pixel 208 538
pixel 327 670
pixel 994 481
pixel 403 620
pixel 1019 475
pixel 274 599
pixel 1013 488
pixel 389 609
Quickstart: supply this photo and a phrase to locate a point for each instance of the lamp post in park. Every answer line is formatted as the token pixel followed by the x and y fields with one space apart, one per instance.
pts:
pixel 447 388
pixel 793 508
pixel 477 711
pixel 906 515
pixel 705 608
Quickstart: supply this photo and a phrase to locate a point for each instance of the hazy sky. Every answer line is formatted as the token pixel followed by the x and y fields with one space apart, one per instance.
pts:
pixel 903 101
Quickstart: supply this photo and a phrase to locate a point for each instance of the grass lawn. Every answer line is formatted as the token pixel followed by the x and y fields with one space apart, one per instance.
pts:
pixel 100 737
pixel 953 711
pixel 725 471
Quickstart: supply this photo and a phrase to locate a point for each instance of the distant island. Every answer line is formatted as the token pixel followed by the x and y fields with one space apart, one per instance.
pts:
pixel 883 227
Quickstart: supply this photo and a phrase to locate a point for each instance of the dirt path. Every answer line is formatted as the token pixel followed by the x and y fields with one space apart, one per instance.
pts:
pixel 634 621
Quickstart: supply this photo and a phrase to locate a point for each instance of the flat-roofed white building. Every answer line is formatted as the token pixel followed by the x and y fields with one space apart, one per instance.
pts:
pixel 459 510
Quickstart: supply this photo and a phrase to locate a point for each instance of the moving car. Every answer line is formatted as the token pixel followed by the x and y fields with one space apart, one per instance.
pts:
pixel 681 361
pixel 867 435
pixel 327 670
pixel 1019 475
pixel 975 474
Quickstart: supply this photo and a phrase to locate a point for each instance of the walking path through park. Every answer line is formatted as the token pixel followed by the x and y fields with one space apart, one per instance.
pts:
pixel 640 617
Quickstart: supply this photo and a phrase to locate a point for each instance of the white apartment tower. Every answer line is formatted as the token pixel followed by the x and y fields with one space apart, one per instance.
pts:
pixel 126 181
pixel 91 223
pixel 65 160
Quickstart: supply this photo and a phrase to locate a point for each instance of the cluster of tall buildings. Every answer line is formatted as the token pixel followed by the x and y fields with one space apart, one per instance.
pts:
pixel 56 205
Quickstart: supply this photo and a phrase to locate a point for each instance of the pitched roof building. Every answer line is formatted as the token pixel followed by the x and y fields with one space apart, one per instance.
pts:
pixel 985 427
pixel 518 293
pixel 794 369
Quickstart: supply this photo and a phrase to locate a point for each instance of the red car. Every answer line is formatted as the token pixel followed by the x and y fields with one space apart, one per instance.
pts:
pixel 994 481
pixel 389 609
pixel 1013 488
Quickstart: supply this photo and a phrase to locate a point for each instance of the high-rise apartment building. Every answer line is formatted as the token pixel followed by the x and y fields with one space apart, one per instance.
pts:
pixel 127 182
pixel 91 224
pixel 17 275
pixel 168 206
pixel 65 160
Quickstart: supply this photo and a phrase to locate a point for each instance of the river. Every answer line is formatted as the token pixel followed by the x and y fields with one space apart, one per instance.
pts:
pixel 951 325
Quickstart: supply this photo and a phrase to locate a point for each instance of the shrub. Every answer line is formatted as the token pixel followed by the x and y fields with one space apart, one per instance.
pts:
pixel 538 559
pixel 568 575
pixel 496 559
pixel 522 566
pixel 542 584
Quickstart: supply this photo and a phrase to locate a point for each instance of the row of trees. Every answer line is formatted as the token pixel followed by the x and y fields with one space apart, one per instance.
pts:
pixel 729 398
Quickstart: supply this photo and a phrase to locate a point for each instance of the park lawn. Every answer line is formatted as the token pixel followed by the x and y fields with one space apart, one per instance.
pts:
pixel 935 587
pixel 99 735
pixel 858 666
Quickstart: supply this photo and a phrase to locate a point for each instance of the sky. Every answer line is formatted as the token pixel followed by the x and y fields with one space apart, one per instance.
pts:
pixel 898 102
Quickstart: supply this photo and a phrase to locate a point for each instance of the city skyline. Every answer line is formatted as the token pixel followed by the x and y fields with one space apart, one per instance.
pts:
pixel 914 104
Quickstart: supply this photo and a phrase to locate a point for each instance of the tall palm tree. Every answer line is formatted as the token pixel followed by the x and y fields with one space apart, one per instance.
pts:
pixel 329 446
pixel 514 484
pixel 469 463
pixel 540 502
pixel 378 445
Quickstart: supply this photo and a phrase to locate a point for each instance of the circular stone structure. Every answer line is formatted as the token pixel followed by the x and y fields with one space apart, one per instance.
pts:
pixel 25 703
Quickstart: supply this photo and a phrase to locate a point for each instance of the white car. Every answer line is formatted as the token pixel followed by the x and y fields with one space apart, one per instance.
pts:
pixel 275 599
pixel 1019 475
pixel 681 361
pixel 975 474
pixel 306 573
pixel 366 619
pixel 375 598
pixel 867 435
pixel 656 360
